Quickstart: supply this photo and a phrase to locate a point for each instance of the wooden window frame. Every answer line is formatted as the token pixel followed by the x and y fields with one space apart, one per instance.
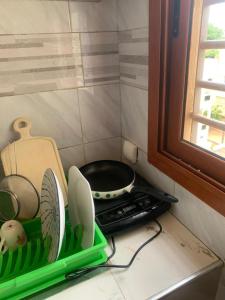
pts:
pixel 193 155
pixel 207 189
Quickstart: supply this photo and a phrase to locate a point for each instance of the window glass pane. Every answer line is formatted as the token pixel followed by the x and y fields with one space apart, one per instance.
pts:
pixel 216 22
pixel 204 114
pixel 211 139
pixel 214 65
pixel 212 104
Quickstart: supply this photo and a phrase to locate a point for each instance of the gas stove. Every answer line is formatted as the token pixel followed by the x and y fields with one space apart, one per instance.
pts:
pixel 128 211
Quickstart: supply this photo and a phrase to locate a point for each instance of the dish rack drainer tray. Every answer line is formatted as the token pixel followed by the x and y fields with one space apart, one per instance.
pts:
pixel 26 270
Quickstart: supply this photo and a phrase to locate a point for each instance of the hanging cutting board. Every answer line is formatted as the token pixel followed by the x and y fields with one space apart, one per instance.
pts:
pixel 31 156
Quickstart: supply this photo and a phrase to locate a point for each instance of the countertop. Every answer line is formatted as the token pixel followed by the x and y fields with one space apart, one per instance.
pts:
pixel 172 259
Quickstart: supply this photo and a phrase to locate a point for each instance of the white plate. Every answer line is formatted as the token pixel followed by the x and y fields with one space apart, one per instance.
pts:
pixel 52 213
pixel 81 206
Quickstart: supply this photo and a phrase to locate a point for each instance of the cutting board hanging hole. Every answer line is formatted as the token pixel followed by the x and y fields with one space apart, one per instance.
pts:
pixel 23 127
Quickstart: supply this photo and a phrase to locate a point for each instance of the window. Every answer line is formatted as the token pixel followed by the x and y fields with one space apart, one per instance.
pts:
pixel 187 95
pixel 205 98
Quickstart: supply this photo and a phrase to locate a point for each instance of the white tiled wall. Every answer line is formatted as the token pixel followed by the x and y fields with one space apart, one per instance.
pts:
pixel 100 57
pixel 55 114
pixel 201 219
pixel 59 66
pixel 134 115
pixel 95 16
pixel 132 14
pixel 133 50
pixel 153 175
pixel 100 109
pixel 105 149
pixel 72 156
pixel 34 16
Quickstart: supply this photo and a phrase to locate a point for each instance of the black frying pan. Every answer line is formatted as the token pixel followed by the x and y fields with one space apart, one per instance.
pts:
pixel 109 179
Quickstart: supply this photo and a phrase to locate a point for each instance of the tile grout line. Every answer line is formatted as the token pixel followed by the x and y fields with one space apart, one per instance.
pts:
pixel 134 86
pixel 57 90
pixel 136 28
pixel 82 60
pixel 70 32
pixel 81 122
pixel 102 140
pixel 117 16
pixel 57 33
pixel 70 19
pixel 117 283
pixel 121 111
pixel 90 142
pixel 82 128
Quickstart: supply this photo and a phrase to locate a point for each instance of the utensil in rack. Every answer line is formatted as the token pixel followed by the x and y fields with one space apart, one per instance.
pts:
pixel 81 206
pixel 52 213
pixel 19 198
pixel 12 235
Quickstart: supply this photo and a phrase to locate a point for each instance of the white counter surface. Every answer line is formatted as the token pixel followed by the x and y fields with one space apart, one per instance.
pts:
pixel 172 258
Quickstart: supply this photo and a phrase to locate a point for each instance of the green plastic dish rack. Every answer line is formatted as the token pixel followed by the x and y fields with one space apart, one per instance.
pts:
pixel 26 270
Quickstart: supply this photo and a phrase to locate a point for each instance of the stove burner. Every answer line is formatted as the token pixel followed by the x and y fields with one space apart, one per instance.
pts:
pixel 131 209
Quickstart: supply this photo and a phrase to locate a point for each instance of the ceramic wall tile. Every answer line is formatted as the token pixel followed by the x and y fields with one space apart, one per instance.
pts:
pixel 72 156
pixel 34 63
pixel 100 112
pixel 93 16
pixel 132 14
pixel 133 51
pixel 105 149
pixel 207 224
pixel 134 115
pixel 34 16
pixel 53 114
pixel 100 58
pixel 153 175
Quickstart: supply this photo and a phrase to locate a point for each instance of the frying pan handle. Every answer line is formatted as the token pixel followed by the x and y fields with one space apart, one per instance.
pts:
pixel 23 127
pixel 155 193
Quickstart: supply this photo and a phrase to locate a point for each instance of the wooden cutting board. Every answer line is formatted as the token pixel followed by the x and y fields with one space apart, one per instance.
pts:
pixel 30 157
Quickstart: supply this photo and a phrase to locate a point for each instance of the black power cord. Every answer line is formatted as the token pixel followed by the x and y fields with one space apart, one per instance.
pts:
pixel 77 274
